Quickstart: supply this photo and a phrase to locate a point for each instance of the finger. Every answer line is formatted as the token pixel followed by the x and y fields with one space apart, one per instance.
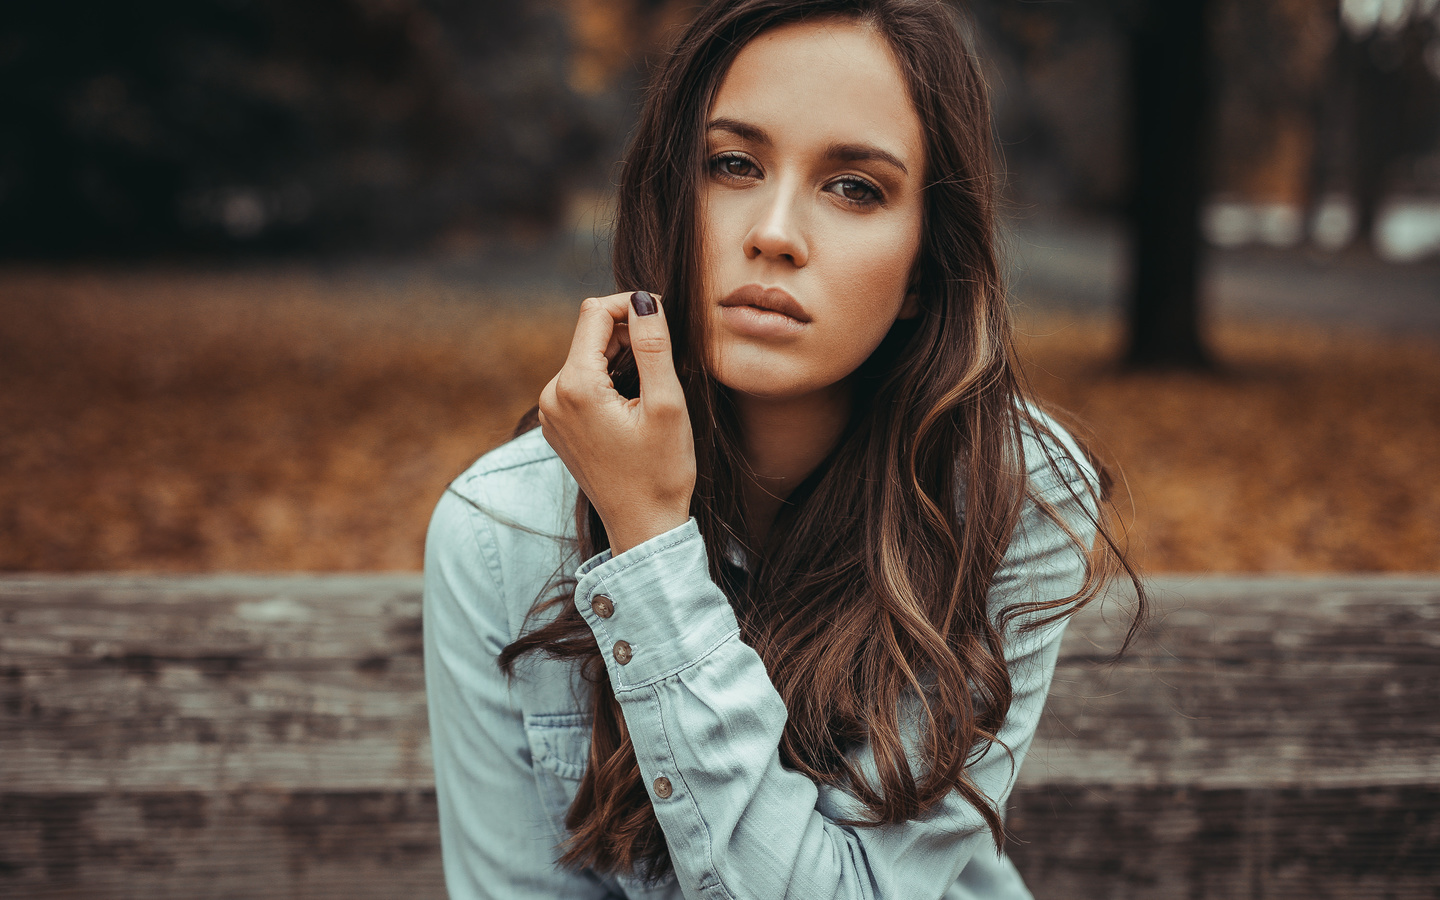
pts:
pixel 593 330
pixel 654 356
pixel 619 340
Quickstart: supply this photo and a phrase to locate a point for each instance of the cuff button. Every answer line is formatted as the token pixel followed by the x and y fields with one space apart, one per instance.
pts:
pixel 663 790
pixel 622 652
pixel 602 606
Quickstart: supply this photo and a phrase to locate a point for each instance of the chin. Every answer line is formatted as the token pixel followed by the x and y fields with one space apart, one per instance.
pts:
pixel 755 381
pixel 752 386
pixel 764 392
pixel 764 382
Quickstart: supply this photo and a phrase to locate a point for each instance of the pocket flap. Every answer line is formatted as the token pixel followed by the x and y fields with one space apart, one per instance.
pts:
pixel 559 742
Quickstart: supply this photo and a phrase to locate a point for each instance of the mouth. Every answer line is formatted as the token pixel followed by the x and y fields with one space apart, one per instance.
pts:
pixel 772 300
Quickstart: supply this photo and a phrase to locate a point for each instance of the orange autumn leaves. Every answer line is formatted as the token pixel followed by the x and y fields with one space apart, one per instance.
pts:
pixel 159 420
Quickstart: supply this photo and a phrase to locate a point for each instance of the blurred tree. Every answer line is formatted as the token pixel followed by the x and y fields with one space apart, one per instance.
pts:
pixel 1164 120
pixel 1170 91
pixel 1149 108
pixel 1390 103
pixel 183 125
pixel 1272 61
pixel 1057 73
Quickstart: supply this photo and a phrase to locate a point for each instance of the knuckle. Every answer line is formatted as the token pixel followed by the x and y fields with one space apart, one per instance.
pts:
pixel 567 389
pixel 668 408
pixel 649 343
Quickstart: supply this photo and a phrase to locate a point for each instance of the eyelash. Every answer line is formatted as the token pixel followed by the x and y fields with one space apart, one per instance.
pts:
pixel 876 198
pixel 717 169
pixel 718 161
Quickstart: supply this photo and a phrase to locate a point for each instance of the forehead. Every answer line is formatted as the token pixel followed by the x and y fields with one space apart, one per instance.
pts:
pixel 828 80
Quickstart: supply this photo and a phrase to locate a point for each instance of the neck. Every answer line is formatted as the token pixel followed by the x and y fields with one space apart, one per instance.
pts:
pixel 784 441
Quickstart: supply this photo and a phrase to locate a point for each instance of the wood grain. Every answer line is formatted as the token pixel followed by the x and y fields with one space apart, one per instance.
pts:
pixel 266 736
pixel 158 684
pixel 187 845
pixel 1260 682
pixel 1137 843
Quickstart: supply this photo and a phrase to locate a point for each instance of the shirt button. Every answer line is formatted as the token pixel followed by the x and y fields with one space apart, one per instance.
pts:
pixel 622 652
pixel 662 788
pixel 602 606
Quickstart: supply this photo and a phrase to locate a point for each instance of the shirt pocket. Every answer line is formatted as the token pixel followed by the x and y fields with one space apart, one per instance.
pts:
pixel 559 753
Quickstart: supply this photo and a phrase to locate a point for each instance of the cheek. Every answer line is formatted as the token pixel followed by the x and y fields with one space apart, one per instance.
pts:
pixel 713 231
pixel 878 264
pixel 721 221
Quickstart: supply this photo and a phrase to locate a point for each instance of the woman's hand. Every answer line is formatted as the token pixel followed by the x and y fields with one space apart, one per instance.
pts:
pixel 634 459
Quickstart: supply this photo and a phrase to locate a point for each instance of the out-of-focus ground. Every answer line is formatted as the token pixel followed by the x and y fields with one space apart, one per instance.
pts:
pixel 308 418
pixel 1315 450
pixel 159 420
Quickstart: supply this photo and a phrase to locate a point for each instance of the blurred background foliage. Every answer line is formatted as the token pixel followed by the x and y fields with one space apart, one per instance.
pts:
pixel 1307 93
pixel 272 272
pixel 284 125
pixel 297 126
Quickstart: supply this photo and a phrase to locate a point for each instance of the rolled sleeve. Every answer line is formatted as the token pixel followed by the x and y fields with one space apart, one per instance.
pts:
pixel 662 605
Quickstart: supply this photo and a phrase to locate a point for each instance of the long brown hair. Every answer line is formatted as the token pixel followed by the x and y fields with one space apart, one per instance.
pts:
pixel 872 586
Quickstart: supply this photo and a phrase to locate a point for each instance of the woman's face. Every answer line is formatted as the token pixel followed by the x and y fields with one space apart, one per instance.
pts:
pixel 811 208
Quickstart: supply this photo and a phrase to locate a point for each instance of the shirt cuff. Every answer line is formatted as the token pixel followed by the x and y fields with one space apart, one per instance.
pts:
pixel 654 609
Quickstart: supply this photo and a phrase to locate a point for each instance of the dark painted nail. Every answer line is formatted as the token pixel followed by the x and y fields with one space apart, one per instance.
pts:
pixel 644 303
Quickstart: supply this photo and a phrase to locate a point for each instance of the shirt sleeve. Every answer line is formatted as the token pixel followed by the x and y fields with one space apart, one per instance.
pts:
pixel 495 841
pixel 706 722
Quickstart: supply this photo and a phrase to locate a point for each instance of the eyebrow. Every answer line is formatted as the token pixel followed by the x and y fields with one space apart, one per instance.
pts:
pixel 841 152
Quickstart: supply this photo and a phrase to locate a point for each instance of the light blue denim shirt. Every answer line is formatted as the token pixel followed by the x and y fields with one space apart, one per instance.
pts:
pixel 699 706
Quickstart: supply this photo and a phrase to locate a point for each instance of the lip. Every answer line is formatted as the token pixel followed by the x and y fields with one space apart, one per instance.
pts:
pixel 771 299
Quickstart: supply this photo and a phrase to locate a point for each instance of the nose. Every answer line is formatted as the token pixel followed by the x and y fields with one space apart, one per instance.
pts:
pixel 778 231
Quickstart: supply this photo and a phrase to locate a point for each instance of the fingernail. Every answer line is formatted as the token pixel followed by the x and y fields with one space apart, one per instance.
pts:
pixel 644 303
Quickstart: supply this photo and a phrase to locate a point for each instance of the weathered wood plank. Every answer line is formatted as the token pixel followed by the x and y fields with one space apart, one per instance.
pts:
pixel 315 684
pixel 145 684
pixel 1270 682
pixel 1137 843
pixel 184 845
pixel 266 736
pixel 1078 843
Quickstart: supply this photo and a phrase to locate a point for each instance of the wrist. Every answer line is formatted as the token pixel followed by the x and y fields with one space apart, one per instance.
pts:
pixel 632 532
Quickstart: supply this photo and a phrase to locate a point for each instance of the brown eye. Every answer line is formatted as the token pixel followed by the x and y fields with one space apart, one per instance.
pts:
pixel 856 190
pixel 732 166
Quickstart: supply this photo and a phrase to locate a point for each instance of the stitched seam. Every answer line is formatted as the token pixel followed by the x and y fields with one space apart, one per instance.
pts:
pixel 628 563
pixel 542 453
pixel 488 550
pixel 497 467
pixel 689 795
pixel 559 720
pixel 700 657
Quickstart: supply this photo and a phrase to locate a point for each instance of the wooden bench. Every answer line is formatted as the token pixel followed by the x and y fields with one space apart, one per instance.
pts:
pixel 243 736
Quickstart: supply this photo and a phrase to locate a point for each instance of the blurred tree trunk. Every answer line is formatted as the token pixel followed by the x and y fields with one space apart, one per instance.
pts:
pixel 1394 100
pixel 1170 105
pixel 1374 116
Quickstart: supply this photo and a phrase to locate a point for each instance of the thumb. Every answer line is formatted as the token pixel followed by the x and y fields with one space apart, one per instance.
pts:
pixel 650 344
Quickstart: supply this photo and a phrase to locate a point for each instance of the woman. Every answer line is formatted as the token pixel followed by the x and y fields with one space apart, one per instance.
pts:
pixel 769 604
